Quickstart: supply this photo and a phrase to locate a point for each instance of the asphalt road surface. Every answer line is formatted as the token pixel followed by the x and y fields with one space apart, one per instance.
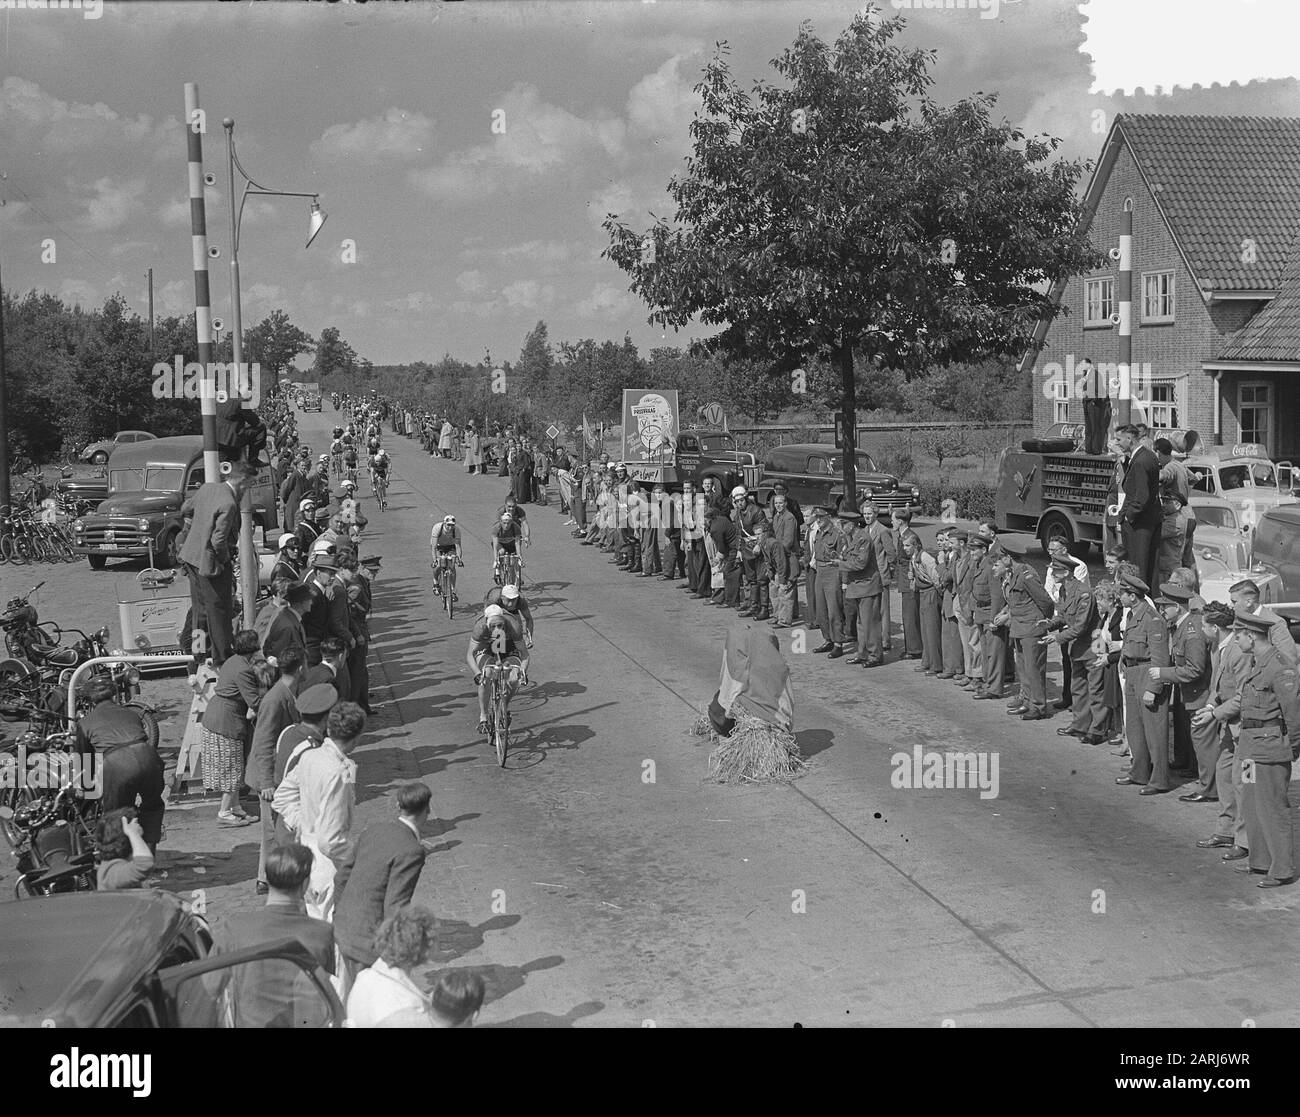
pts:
pixel 600 880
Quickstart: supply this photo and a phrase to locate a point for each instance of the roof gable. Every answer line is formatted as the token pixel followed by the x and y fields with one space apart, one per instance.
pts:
pixel 1274 333
pixel 1223 181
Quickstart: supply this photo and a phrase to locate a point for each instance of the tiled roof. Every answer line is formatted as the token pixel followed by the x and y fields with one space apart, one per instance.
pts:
pixel 1222 181
pixel 1274 333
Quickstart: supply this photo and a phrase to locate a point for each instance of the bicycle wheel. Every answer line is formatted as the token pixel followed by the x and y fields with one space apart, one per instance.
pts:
pixel 447 594
pixel 22 550
pixel 501 719
pixel 6 547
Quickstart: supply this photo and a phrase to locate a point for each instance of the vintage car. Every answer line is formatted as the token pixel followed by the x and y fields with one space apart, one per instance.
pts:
pixel 147 484
pixel 813 474
pixel 1277 553
pixel 1222 538
pixel 97 453
pixel 1243 475
pixel 134 959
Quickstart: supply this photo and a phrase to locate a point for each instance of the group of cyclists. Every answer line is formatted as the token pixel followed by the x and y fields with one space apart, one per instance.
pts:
pixel 362 428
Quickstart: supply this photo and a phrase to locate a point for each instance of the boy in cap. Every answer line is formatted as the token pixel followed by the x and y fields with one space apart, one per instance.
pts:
pixel 1270 741
pixel 1146 701
pixel 1189 672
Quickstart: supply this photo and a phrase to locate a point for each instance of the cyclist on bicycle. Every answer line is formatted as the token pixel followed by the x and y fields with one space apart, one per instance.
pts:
pixel 505 540
pixel 338 433
pixel 496 634
pixel 350 461
pixel 520 516
pixel 515 605
pixel 445 540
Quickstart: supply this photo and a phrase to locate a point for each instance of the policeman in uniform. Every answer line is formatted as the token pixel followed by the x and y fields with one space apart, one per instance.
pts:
pixel 824 540
pixel 1146 701
pixel 1189 671
pixel 1270 741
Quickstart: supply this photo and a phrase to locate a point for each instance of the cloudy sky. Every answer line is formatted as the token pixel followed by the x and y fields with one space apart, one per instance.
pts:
pixel 465 237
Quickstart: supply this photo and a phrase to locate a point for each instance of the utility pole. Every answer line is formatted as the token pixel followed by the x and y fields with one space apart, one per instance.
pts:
pixel 4 409
pixel 149 275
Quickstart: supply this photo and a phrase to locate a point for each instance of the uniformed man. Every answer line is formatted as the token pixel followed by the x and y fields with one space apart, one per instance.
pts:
pixel 328 614
pixel 1025 615
pixel 1270 741
pixel 824 578
pixel 886 542
pixel 1076 617
pixel 745 514
pixel 288 563
pixel 982 579
pixel 1189 672
pixel 1175 497
pixel 1216 727
pixel 1146 723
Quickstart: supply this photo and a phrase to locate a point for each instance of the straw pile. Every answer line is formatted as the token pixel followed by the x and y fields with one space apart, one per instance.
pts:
pixel 754 752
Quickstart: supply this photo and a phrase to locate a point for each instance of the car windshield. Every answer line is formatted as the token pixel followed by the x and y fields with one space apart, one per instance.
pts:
pixel 1215 516
pixel 1245 476
pixel 716 442
pixel 165 479
pixel 865 464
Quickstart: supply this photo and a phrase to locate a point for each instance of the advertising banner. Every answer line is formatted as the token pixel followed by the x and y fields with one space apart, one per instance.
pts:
pixel 650 426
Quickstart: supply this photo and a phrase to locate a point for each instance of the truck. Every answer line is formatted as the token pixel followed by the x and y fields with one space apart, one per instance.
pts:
pixel 1064 493
pixel 141 516
pixel 310 396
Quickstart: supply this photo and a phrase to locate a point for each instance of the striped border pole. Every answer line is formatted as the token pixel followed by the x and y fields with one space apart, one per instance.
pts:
pixel 1125 295
pixel 202 299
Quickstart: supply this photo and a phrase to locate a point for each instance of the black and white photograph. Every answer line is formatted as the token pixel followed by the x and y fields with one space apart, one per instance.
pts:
pixel 657 514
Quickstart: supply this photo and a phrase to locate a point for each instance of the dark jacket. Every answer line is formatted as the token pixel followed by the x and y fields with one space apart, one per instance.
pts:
pixel 275 714
pixel 286 631
pixel 1141 489
pixel 380 879
pixel 238 691
pixel 1028 603
pixel 339 679
pixel 860 571
pixel 1190 669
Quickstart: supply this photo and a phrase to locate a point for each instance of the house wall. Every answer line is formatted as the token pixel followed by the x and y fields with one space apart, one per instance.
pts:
pixel 1175 349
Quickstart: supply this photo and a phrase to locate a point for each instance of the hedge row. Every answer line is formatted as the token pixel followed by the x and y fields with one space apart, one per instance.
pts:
pixel 970 502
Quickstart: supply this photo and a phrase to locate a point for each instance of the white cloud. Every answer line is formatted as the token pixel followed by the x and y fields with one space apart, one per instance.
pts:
pixel 605 299
pixel 536 137
pixel 471 282
pixel 526 294
pixel 397 134
pixel 112 204
pixel 63 127
pixel 78 292
pixel 662 104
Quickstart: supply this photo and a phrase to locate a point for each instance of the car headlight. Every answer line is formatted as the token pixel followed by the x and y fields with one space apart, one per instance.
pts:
pixel 78 526
pixel 142 524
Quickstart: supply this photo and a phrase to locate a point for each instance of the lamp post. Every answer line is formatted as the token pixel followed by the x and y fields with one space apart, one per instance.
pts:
pixel 247 555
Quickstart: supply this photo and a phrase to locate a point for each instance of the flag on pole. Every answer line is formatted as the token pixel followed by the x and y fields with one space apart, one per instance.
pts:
pixel 587 432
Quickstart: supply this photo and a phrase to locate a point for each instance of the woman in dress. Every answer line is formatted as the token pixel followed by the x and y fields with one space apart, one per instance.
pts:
pixel 444 439
pixel 473 449
pixel 226 727
pixel 386 995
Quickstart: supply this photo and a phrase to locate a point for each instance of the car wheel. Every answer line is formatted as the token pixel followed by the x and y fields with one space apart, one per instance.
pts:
pixel 1054 526
pixel 169 556
pixel 99 457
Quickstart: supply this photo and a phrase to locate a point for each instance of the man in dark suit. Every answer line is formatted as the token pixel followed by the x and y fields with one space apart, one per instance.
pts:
pixel 286 630
pixel 214 509
pixel 332 669
pixel 380 879
pixel 277 994
pixel 277 711
pixel 1140 510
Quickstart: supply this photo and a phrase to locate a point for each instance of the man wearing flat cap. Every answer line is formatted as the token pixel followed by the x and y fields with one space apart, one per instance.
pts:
pixel 1216 727
pixel 1146 701
pixel 972 671
pixel 1076 618
pixel 1270 741
pixel 824 579
pixel 1189 672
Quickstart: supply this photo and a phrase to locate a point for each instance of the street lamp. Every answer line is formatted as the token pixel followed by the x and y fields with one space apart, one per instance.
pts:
pixel 247 555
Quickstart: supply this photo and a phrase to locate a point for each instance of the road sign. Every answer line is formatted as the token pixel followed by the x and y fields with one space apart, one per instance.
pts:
pixel 713 414
pixel 552 432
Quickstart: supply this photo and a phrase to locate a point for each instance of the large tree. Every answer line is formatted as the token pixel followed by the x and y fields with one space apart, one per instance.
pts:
pixel 333 354
pixel 843 211
pixel 275 343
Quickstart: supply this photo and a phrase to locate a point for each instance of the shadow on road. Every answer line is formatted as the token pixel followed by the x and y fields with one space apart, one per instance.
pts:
pixel 813 741
pixel 456 937
pixel 550 1020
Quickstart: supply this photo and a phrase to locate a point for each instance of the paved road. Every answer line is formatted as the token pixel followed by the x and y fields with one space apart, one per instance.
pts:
pixel 593 894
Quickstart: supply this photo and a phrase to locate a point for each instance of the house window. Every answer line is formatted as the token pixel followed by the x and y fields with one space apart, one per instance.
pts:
pixel 1255 412
pixel 1158 296
pixel 1160 402
pixel 1098 301
pixel 1060 396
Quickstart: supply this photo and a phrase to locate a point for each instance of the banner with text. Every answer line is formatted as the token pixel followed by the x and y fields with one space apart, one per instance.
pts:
pixel 650 426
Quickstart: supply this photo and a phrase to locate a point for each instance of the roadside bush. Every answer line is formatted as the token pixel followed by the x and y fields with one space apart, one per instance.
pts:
pixel 896 456
pixel 970 502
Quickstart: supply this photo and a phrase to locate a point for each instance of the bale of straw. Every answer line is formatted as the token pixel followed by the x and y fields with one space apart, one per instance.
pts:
pixel 755 752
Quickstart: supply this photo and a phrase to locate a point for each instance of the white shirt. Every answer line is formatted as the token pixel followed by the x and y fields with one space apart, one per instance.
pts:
pixel 316 799
pixel 1053 586
pixel 384 997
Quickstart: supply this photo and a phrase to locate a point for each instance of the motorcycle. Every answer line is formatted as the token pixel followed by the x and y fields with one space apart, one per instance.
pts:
pixel 48 827
pixel 39 661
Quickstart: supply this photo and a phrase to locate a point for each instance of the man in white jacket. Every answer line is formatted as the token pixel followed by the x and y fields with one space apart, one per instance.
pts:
pixel 316 800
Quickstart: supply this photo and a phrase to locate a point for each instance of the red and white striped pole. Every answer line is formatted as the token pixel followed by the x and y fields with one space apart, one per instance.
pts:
pixel 1125 298
pixel 202 302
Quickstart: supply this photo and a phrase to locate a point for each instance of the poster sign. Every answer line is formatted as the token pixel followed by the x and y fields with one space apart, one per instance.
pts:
pixel 713 414
pixel 650 426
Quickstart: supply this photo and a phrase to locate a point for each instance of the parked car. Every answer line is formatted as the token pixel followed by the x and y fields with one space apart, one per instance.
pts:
pixel 1222 539
pixel 1277 551
pixel 813 473
pixel 130 959
pixel 86 492
pixel 147 484
pixel 97 453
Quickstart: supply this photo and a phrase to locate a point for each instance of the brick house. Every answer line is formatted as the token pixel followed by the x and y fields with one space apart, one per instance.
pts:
pixel 1216 280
